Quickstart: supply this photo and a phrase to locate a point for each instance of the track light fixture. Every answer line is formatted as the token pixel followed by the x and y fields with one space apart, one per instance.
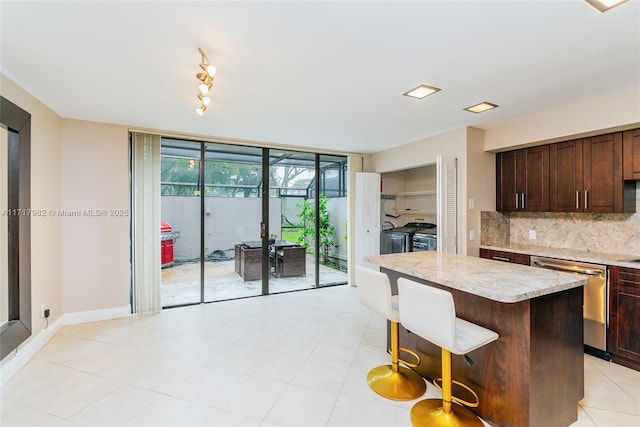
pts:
pixel 206 82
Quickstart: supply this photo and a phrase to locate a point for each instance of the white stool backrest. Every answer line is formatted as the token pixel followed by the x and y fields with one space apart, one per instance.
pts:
pixel 428 312
pixel 374 291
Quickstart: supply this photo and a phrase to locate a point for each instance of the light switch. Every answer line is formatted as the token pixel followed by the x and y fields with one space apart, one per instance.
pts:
pixel 471 205
pixel 472 235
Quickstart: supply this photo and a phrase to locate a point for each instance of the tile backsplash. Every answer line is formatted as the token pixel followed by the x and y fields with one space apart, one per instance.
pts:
pixel 607 233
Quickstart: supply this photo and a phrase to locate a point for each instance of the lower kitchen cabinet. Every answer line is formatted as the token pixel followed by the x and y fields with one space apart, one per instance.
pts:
pixel 523 259
pixel 624 316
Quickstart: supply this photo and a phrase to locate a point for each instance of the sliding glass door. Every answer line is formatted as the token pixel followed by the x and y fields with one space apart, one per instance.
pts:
pixel 240 221
pixel 333 219
pixel 180 189
pixel 232 218
pixel 291 174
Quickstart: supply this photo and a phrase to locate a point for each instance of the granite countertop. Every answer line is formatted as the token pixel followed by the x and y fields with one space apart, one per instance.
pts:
pixel 495 280
pixel 620 260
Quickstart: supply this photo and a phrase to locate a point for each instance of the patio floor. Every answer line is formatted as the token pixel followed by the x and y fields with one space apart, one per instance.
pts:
pixel 181 282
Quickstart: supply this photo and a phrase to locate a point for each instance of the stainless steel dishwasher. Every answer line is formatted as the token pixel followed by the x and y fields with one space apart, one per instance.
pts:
pixel 595 309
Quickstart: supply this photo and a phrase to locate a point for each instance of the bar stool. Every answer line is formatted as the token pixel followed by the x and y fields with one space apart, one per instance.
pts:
pixel 431 314
pixel 390 381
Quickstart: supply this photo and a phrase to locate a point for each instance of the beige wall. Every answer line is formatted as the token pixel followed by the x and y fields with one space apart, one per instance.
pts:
pixel 612 112
pixel 45 194
pixel 420 153
pixel 481 186
pixel 424 152
pixel 95 249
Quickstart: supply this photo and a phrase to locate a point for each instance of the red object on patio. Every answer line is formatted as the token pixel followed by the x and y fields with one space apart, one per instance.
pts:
pixel 167 238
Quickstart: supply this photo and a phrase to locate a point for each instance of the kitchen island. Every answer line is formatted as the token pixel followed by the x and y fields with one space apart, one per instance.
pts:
pixel 533 375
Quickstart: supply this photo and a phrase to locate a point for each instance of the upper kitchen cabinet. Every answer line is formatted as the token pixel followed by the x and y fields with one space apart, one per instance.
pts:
pixel 567 171
pixel 631 156
pixel 522 180
pixel 586 176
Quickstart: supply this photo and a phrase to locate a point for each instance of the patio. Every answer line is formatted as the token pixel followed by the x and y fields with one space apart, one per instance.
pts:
pixel 181 282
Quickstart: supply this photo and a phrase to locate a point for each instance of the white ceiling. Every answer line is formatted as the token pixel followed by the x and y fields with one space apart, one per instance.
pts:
pixel 325 74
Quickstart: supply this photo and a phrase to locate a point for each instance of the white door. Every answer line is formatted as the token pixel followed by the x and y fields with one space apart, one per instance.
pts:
pixel 446 170
pixel 367 206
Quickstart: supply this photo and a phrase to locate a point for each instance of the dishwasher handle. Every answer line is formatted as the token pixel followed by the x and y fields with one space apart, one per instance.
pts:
pixel 567 268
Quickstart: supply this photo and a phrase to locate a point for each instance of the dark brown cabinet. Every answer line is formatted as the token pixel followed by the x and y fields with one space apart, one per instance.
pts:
pixel 595 175
pixel 523 259
pixel 522 180
pixel 603 186
pixel 586 176
pixel 631 154
pixel 624 316
pixel 566 167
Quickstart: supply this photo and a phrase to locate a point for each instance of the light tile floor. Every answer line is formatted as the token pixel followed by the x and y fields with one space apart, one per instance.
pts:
pixel 294 359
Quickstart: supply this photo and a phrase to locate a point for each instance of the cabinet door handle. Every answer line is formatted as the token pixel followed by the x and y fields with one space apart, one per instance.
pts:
pixel 499 258
pixel 577 200
pixel 516 200
pixel 522 198
pixel 585 199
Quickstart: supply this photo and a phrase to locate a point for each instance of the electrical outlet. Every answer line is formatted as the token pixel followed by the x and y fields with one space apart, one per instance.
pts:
pixel 532 234
pixel 44 311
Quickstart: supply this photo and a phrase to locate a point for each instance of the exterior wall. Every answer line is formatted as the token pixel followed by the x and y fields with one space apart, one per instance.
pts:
pixel 337 208
pixel 95 249
pixel 46 287
pixel 227 221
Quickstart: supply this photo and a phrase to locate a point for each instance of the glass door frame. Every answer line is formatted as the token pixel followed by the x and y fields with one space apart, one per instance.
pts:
pixel 264 191
pixel 264 224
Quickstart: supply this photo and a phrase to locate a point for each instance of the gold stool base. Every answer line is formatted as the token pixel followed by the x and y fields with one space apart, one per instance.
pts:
pixel 429 412
pixel 402 385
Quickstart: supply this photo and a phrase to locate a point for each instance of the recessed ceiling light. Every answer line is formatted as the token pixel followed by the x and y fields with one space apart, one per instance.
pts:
pixel 479 108
pixel 604 5
pixel 421 91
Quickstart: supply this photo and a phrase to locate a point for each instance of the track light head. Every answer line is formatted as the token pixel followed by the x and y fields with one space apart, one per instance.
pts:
pixel 206 82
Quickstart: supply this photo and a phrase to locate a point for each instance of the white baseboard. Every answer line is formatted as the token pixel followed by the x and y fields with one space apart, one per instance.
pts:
pixel 16 360
pixel 97 315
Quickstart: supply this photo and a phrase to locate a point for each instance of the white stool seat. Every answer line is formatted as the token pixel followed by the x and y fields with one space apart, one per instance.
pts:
pixel 470 336
pixel 431 314
pixel 390 381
